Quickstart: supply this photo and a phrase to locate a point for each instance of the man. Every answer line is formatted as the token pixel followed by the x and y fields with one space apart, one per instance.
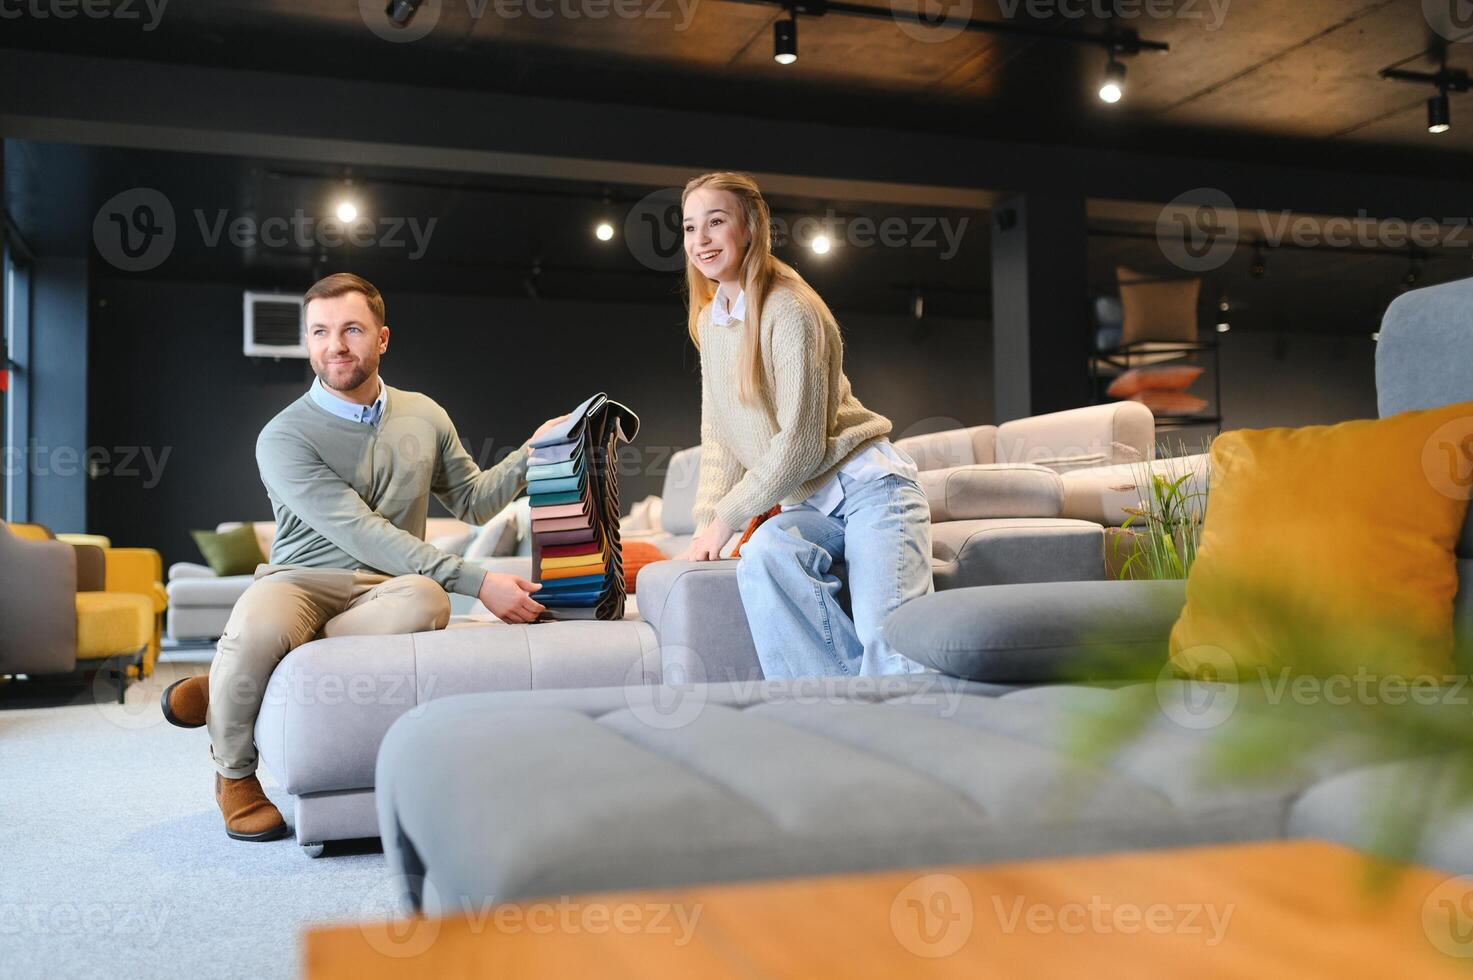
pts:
pixel 349 468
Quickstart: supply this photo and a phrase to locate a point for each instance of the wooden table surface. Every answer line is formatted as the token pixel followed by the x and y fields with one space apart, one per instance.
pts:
pixel 1275 909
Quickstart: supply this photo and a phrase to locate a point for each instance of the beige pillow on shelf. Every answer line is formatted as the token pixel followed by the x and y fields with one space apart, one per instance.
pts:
pixel 1157 309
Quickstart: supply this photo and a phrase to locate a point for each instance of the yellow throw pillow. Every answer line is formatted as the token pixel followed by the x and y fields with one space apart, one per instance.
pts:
pixel 1329 549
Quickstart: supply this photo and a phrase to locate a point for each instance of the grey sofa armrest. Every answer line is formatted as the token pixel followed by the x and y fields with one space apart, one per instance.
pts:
pixel 696 612
pixel 1041 632
pixel 38 603
pixel 189 569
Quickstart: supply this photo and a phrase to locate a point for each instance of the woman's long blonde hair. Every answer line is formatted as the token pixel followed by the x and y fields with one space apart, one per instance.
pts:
pixel 761 273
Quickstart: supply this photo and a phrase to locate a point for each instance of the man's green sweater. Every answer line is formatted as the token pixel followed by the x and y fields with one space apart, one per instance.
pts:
pixel 350 495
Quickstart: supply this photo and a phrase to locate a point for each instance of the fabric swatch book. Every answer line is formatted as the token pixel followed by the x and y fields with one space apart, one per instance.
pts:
pixel 573 488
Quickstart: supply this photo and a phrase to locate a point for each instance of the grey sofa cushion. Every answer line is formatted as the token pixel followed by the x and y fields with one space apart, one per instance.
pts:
pixel 329 702
pixel 1036 632
pixel 997 490
pixel 1343 808
pixel 664 787
pixel 998 551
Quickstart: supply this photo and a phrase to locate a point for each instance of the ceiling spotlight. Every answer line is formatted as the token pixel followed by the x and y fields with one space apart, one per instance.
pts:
pixel 1224 305
pixel 347 212
pixel 401 12
pixel 821 244
pixel 918 305
pixel 1224 327
pixel 1439 114
pixel 785 40
pixel 604 232
pixel 1113 89
pixel 1445 79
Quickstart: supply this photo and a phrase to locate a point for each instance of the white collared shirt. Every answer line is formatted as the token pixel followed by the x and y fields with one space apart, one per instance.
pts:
pixel 881 459
pixel 720 315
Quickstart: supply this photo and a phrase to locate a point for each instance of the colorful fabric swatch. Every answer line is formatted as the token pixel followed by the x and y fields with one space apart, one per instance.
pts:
pixel 573 487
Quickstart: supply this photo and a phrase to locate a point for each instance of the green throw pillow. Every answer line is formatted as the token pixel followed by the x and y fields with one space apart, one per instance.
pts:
pixel 230 552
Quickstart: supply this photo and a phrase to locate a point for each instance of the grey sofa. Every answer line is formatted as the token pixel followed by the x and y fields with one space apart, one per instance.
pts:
pixel 664 786
pixel 996 520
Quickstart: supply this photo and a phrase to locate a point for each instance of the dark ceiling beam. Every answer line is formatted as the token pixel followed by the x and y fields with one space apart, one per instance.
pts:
pixel 1118 40
pixel 149 105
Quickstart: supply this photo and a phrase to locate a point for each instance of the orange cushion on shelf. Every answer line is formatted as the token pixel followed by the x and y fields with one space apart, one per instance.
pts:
pixel 1173 377
pixel 638 554
pixel 1170 402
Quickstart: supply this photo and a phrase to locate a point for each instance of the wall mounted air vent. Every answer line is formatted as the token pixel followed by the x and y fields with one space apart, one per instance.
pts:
pixel 273 325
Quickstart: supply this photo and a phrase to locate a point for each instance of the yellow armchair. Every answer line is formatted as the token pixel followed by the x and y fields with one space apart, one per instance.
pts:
pixel 140 571
pixel 59 619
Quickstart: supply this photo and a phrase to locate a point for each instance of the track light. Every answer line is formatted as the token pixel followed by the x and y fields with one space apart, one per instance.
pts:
pixel 1439 114
pixel 785 40
pixel 1224 327
pixel 604 232
pixel 1113 89
pixel 401 12
pixel 821 244
pixel 347 212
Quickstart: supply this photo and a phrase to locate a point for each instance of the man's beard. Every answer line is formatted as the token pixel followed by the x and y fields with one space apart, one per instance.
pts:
pixel 355 380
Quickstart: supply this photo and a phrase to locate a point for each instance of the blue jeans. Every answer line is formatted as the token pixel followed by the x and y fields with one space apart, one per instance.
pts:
pixel 882 531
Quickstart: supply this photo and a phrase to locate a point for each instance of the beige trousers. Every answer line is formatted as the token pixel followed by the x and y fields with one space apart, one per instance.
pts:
pixel 285 607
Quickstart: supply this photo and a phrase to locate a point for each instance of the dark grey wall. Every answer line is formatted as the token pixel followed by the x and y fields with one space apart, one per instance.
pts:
pixel 57 386
pixel 169 378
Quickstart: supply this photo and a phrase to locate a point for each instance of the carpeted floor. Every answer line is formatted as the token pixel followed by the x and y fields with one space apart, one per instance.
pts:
pixel 113 860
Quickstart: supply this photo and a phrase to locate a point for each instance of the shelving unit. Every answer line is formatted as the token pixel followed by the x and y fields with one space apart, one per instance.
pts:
pixel 1148 352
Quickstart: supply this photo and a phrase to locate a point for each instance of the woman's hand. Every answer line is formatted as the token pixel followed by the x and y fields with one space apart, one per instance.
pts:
pixel 708 544
pixel 509 597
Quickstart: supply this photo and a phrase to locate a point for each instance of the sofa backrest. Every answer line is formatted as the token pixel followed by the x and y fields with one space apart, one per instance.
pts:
pixel 1080 438
pixel 954 447
pixel 1424 359
pixel 678 496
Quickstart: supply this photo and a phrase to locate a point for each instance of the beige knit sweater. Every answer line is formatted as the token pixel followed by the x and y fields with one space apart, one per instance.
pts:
pixel 806 426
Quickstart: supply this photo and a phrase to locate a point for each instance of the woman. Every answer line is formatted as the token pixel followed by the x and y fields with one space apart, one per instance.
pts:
pixel 779 426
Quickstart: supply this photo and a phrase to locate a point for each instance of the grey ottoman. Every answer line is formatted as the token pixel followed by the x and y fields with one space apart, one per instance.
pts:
pixel 330 702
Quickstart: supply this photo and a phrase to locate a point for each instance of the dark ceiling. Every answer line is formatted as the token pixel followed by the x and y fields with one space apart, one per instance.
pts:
pixel 1243 78
pixel 1276 80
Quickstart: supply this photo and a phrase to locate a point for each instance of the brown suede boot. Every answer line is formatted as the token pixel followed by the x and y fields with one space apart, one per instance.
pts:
pixel 185 702
pixel 248 814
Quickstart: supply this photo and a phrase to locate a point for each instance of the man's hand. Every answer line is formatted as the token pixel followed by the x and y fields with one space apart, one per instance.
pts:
pixel 509 597
pixel 708 544
pixel 548 424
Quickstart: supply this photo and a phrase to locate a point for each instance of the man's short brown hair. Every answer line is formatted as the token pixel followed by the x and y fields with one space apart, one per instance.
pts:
pixel 340 283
